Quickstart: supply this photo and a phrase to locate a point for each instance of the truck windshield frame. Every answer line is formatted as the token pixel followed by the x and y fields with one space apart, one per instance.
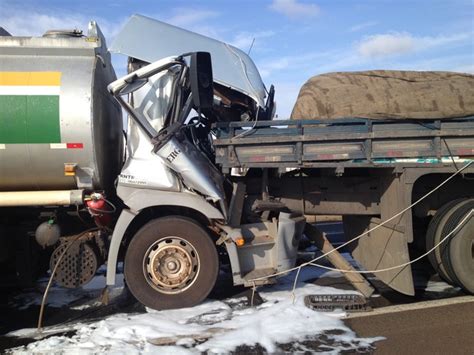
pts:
pixel 119 88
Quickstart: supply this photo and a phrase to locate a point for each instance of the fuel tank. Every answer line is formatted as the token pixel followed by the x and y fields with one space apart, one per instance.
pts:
pixel 59 127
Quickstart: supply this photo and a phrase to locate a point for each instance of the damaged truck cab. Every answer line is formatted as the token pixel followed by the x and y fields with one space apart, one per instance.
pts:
pixel 179 204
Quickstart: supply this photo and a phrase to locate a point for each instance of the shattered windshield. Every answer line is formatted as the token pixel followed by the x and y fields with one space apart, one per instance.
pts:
pixel 148 94
pixel 153 100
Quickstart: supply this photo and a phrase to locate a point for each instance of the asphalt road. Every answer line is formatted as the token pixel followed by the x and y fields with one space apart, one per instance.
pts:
pixel 432 327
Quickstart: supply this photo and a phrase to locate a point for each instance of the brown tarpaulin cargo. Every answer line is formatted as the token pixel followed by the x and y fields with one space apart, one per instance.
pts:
pixel 386 94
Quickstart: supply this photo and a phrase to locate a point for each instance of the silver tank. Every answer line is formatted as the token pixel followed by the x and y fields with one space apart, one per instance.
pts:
pixel 56 114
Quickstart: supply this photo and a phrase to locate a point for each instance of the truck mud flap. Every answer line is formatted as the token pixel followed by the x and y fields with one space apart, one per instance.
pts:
pixel 346 302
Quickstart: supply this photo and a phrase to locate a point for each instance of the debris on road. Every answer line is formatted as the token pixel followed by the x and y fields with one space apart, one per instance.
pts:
pixel 345 302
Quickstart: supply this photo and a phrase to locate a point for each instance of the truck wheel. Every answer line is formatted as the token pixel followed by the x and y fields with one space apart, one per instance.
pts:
pixel 433 236
pixel 171 262
pixel 459 256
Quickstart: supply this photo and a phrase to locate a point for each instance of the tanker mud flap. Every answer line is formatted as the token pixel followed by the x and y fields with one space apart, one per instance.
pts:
pixel 345 302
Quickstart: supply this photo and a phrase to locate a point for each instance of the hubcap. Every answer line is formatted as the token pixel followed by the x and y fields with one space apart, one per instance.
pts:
pixel 171 265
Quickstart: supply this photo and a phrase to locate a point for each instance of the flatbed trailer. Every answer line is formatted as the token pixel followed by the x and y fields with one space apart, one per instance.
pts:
pixel 365 170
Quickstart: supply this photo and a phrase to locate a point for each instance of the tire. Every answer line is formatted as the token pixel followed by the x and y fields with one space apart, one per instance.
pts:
pixel 171 262
pixel 459 255
pixel 433 236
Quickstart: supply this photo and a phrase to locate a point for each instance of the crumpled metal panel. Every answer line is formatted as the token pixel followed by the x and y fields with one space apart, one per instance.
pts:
pixel 198 172
pixel 150 40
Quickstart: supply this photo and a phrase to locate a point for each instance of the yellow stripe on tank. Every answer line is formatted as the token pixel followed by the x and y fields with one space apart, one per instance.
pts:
pixel 45 78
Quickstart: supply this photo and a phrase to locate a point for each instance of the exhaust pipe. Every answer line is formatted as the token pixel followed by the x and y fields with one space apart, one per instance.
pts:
pixel 41 198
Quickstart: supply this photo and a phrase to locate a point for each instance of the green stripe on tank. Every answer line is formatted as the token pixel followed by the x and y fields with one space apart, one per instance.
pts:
pixel 29 119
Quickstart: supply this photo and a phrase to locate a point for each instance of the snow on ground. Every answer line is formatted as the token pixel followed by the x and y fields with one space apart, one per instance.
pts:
pixel 214 326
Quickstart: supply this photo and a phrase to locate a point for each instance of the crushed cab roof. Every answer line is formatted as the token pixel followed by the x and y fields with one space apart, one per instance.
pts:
pixel 150 40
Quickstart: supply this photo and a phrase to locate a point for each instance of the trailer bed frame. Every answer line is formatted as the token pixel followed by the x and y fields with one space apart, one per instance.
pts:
pixel 343 143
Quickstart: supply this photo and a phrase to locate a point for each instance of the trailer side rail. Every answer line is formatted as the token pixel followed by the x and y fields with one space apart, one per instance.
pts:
pixel 348 142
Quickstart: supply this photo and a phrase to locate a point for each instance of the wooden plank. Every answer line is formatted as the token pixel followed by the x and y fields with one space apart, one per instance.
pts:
pixel 171 340
pixel 339 262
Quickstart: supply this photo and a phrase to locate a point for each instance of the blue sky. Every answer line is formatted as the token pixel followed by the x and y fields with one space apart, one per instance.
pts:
pixel 294 39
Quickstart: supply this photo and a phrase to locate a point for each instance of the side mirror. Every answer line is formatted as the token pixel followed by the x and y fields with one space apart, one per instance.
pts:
pixel 200 73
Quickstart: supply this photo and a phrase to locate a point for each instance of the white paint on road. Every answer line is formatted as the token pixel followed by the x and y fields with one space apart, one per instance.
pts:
pixel 414 306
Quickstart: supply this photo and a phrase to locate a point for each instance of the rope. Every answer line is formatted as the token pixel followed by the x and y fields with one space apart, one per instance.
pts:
pixel 254 289
pixel 459 226
pixel 53 272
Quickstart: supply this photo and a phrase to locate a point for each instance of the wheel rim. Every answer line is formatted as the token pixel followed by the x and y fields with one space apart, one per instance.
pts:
pixel 171 265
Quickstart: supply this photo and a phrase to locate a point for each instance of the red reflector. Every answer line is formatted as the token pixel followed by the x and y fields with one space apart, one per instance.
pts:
pixel 326 157
pixel 257 158
pixel 74 145
pixel 395 153
pixel 465 151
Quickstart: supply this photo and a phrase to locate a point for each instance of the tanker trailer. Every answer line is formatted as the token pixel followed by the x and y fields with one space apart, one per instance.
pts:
pixel 61 140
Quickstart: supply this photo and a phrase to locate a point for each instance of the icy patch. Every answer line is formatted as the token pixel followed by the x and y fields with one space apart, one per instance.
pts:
pixel 60 297
pixel 214 326
pixel 57 297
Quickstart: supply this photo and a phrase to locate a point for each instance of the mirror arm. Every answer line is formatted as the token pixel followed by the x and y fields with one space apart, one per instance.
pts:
pixel 178 99
pixel 186 109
